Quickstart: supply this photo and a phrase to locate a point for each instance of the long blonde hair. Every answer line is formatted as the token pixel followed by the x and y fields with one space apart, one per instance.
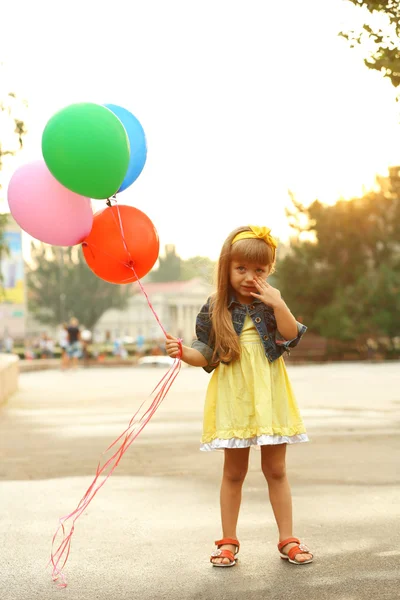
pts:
pixel 223 336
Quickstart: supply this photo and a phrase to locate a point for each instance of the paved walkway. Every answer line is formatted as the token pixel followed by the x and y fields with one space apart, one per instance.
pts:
pixel 149 531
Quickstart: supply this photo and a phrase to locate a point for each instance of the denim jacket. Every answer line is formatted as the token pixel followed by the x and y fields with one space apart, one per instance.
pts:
pixel 264 321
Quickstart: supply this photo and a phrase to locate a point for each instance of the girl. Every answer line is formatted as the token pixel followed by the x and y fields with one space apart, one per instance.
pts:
pixel 242 332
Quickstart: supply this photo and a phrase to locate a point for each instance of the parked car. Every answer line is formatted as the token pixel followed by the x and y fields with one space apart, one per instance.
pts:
pixel 157 361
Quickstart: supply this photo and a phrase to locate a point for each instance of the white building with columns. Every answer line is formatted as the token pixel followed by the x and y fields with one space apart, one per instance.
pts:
pixel 176 303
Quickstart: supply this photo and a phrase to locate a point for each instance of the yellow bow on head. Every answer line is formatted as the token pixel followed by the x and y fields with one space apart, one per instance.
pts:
pixel 262 233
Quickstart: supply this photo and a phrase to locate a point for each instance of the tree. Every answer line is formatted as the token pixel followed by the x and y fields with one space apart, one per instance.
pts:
pixel 386 295
pixel 385 53
pixel 13 130
pixel 173 268
pixel 10 112
pixel 342 274
pixel 169 268
pixel 198 266
pixel 61 285
pixel 3 244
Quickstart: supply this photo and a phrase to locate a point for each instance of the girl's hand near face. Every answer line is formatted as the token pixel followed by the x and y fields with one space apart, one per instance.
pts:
pixel 286 323
pixel 266 293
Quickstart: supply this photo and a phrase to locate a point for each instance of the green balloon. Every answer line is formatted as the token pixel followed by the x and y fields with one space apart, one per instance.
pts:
pixel 86 148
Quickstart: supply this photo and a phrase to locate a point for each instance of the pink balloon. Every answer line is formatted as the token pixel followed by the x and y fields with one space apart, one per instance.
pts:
pixel 46 209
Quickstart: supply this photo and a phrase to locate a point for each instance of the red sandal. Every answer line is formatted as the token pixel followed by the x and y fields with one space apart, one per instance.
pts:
pixel 298 549
pixel 225 553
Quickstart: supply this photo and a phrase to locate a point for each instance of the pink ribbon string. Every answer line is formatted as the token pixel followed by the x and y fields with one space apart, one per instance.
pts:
pixel 60 552
pixel 131 265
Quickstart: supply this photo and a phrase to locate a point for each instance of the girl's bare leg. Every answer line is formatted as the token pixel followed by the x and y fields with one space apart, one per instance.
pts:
pixel 273 463
pixel 235 470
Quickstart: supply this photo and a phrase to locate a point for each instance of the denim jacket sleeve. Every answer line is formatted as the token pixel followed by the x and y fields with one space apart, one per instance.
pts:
pixel 287 344
pixel 203 331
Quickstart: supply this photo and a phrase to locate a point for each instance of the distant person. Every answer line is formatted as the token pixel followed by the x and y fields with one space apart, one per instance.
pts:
pixel 86 338
pixel 242 333
pixel 46 346
pixel 63 340
pixel 28 350
pixel 372 347
pixel 97 340
pixel 74 349
pixel 140 344
pixel 156 350
pixel 117 345
pixel 8 344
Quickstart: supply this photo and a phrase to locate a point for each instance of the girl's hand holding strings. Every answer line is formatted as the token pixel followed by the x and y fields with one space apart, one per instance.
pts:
pixel 172 346
pixel 266 293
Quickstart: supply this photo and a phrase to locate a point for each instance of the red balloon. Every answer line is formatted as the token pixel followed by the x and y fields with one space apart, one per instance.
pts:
pixel 122 237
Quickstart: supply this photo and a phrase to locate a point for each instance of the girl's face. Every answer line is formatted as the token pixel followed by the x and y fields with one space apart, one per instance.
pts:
pixel 242 275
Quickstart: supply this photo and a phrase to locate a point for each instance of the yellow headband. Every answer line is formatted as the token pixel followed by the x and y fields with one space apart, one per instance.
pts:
pixel 256 232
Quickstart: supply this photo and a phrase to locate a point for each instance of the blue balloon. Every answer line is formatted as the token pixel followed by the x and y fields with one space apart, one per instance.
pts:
pixel 137 140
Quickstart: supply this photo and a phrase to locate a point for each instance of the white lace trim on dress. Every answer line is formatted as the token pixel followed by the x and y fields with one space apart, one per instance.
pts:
pixel 260 440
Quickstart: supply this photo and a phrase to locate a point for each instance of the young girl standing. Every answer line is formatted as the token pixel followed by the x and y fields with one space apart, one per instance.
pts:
pixel 242 332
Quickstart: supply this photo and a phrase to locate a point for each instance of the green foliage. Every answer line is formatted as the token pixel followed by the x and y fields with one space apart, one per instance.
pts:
pixel 11 118
pixel 173 268
pixel 4 250
pixel 169 267
pixel 385 56
pixel 386 296
pixel 61 285
pixel 342 273
pixel 3 245
pixel 11 113
pixel 198 266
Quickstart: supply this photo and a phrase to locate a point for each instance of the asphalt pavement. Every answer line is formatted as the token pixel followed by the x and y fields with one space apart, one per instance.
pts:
pixel 149 531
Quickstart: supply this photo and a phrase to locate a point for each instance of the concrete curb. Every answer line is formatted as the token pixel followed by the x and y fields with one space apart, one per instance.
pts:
pixel 9 371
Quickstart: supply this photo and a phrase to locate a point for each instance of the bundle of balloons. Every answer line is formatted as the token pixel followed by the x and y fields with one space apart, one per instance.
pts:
pixel 90 151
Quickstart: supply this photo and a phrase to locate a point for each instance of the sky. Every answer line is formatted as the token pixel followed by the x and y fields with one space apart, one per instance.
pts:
pixel 240 101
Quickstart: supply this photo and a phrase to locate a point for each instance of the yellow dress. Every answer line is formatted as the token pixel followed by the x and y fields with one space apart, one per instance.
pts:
pixel 250 401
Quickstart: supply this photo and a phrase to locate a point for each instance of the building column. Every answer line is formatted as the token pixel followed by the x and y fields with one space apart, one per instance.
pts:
pixel 180 321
